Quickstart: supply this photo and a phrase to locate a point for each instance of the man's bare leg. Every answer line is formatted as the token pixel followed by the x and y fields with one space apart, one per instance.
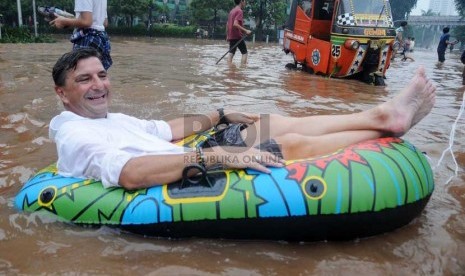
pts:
pixel 296 146
pixel 394 117
pixel 230 58
pixel 244 59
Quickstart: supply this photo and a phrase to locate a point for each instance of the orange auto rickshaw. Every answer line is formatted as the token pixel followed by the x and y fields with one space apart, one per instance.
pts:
pixel 341 38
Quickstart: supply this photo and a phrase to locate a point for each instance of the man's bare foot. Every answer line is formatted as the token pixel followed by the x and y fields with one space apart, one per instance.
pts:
pixel 411 105
pixel 428 102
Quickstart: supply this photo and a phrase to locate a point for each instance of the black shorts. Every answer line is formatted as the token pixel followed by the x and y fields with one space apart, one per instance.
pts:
pixel 231 136
pixel 242 47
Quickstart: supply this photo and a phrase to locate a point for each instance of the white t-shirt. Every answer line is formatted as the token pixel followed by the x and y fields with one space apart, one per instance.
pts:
pixel 98 8
pixel 99 148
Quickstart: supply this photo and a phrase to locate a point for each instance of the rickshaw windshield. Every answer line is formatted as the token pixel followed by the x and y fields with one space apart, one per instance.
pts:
pixel 365 13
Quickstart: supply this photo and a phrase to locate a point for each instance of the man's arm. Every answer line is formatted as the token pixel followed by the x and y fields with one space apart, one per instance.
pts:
pixel 83 21
pixel 150 170
pixel 146 171
pixel 244 30
pixel 188 125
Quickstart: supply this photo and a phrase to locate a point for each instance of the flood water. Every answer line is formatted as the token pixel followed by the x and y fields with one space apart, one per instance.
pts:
pixel 161 78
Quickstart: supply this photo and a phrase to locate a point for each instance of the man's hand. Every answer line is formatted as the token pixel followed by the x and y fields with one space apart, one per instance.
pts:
pixel 248 32
pixel 243 158
pixel 59 22
pixel 235 117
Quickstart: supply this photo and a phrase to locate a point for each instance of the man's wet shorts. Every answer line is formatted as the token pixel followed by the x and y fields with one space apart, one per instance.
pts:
pixel 231 136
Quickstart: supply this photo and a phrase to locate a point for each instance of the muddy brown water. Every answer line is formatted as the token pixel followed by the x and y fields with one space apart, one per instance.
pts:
pixel 159 78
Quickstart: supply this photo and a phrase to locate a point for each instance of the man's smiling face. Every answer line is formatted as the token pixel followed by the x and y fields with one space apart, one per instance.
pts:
pixel 87 89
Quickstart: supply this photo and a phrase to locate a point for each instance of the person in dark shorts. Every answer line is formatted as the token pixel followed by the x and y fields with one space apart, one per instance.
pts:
pixel 234 31
pixel 122 150
pixel 443 44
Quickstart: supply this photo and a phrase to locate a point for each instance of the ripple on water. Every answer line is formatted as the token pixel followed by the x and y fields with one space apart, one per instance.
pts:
pixel 51 247
pixel 122 247
pixel 2 234
pixel 7 267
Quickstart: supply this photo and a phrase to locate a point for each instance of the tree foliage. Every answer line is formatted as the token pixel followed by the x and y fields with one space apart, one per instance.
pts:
pixel 129 9
pixel 429 12
pixel 459 31
pixel 460 5
pixel 116 8
pixel 8 8
pixel 209 10
pixel 266 13
pixel 401 8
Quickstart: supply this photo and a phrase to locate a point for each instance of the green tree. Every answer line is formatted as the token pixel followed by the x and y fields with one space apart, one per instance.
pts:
pixel 163 9
pixel 129 9
pixel 460 5
pixel 401 8
pixel 10 12
pixel 459 31
pixel 209 10
pixel 266 14
pixel 428 13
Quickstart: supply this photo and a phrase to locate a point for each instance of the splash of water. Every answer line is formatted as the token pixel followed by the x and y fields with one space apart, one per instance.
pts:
pixel 451 142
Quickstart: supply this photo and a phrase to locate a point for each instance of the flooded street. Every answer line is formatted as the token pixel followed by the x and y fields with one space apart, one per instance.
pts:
pixel 163 78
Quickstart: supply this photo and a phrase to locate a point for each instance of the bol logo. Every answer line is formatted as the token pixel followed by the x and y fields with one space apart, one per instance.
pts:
pixel 316 57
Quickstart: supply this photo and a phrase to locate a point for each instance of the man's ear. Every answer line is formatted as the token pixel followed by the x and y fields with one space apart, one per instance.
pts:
pixel 61 93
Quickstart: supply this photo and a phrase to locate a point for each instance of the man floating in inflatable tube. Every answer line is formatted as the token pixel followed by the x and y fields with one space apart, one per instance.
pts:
pixel 121 150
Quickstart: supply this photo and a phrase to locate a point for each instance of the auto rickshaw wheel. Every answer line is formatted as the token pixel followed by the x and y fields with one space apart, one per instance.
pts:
pixel 307 69
pixel 291 66
pixel 379 81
